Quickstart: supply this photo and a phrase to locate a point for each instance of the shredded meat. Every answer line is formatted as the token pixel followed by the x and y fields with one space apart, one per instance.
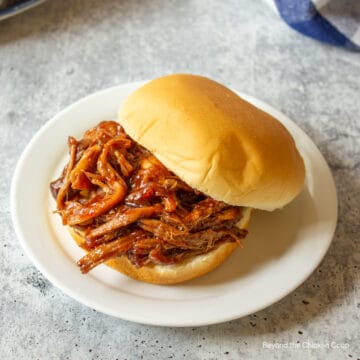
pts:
pixel 124 202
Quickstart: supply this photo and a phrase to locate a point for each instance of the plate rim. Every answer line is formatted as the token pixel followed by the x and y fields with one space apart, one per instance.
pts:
pixel 139 319
pixel 19 8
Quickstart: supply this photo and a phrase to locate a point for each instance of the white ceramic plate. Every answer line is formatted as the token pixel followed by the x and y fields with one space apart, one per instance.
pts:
pixel 283 247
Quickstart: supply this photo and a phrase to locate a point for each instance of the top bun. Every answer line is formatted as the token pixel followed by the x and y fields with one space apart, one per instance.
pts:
pixel 215 141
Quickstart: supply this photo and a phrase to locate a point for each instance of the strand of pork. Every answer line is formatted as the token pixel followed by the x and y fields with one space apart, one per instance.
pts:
pixel 124 202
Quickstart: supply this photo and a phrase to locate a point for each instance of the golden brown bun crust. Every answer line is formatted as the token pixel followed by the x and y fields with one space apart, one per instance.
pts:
pixel 173 274
pixel 215 141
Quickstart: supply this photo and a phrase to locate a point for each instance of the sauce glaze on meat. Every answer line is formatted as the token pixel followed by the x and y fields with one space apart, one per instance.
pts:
pixel 123 201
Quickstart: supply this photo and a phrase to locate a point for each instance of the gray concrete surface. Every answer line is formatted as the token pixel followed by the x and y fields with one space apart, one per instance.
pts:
pixel 63 50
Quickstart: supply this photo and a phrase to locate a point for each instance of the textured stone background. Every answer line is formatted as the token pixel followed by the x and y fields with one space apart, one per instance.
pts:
pixel 63 50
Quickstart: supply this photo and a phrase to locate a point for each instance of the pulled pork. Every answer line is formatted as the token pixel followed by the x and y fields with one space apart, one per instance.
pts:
pixel 123 201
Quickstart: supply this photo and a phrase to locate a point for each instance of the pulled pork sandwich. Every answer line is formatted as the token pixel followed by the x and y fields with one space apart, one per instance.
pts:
pixel 165 195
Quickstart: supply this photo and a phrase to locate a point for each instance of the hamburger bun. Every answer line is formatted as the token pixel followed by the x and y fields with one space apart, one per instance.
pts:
pixel 215 141
pixel 172 274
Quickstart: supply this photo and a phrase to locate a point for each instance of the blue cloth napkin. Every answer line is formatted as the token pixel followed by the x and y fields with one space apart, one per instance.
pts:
pixel 336 22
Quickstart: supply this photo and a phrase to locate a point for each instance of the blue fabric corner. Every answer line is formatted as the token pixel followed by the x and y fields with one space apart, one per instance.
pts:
pixel 303 17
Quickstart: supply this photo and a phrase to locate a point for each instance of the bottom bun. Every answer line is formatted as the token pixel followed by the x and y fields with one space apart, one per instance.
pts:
pixel 190 268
